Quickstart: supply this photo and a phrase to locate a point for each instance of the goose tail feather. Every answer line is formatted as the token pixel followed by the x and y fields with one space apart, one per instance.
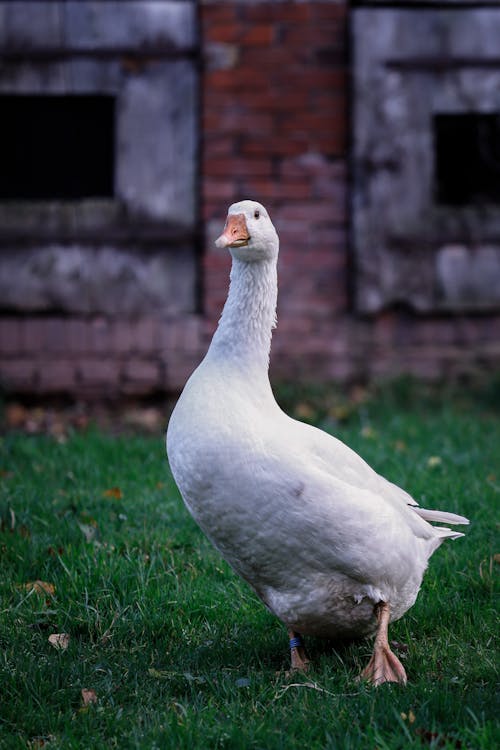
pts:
pixel 441 516
pixel 442 532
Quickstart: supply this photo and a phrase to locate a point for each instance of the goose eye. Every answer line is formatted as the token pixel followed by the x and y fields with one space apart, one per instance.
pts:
pixel 256 213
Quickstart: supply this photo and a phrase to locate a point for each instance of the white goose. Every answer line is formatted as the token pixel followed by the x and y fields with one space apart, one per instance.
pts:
pixel 330 546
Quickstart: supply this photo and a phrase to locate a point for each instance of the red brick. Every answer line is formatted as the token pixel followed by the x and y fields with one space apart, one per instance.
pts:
pixel 259 35
pixel 273 145
pixel 298 13
pixel 231 121
pixel 238 80
pixel 278 101
pixel 237 166
pixel 275 60
pixel 217 12
pixel 218 145
pixel 309 121
pixel 220 189
pixel 297 190
pixel 260 12
pixel 223 32
pixel 308 211
pixel 321 78
pixel 316 37
pixel 329 11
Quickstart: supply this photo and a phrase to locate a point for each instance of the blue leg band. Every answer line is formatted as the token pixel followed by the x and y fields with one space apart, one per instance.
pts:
pixel 296 642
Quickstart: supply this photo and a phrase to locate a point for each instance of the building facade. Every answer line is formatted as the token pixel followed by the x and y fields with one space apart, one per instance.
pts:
pixel 370 131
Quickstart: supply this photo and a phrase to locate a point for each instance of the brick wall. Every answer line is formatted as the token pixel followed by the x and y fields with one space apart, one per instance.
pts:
pixel 98 358
pixel 276 119
pixel 274 126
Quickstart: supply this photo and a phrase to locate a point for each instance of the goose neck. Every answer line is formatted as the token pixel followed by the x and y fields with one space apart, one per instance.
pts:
pixel 249 315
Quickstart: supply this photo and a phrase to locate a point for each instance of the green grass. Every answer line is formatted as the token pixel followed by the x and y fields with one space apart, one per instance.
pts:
pixel 179 651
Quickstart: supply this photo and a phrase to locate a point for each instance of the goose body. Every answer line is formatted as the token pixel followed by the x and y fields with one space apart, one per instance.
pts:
pixel 322 538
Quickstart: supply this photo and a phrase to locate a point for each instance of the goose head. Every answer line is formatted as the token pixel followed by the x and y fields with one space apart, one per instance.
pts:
pixel 249 233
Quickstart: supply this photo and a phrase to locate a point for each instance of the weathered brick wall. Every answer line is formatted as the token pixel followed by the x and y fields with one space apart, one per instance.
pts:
pixel 98 358
pixel 275 123
pixel 276 119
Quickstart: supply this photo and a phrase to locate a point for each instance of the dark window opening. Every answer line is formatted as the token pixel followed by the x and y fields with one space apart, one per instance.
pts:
pixel 467 158
pixel 57 147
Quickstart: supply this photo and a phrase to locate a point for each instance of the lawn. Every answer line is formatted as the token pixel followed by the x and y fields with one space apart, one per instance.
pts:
pixel 176 652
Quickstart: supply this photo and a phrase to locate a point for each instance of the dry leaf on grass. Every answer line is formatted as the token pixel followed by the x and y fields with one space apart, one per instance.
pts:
pixel 37 742
pixel 410 716
pixel 88 697
pixel 59 641
pixel 40 587
pixel 434 461
pixel 113 492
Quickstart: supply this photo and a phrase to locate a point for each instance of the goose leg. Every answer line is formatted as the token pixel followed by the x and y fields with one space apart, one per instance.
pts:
pixel 384 666
pixel 298 652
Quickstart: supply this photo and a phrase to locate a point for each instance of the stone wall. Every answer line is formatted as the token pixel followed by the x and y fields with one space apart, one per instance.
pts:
pixel 275 126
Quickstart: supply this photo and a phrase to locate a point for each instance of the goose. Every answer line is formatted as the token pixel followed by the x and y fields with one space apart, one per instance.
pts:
pixel 332 548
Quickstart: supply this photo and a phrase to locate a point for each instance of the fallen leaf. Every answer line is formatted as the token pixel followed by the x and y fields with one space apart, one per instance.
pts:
pixel 37 742
pixel 496 558
pixel 40 587
pixel 411 716
pixel 59 641
pixel 88 697
pixel 113 492
pixel 434 461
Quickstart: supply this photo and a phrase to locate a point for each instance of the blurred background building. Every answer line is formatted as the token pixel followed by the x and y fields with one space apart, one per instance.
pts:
pixel 370 129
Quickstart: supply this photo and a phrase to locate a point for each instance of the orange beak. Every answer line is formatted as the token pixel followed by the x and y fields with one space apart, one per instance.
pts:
pixel 235 232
